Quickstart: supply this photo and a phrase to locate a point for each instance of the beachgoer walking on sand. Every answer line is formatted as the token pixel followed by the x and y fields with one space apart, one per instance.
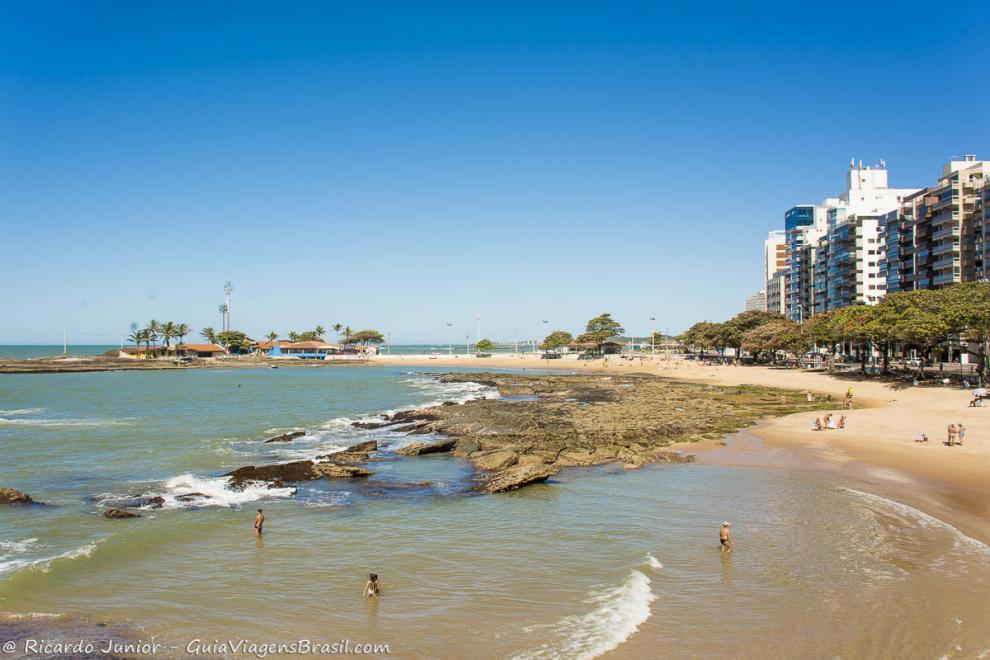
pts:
pixel 725 538
pixel 951 435
pixel 373 586
pixel 259 522
pixel 842 422
pixel 961 433
pixel 811 397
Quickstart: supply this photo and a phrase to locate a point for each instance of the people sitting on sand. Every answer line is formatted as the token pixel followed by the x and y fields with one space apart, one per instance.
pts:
pixel 373 586
pixel 921 437
pixel 817 425
pixel 842 422
pixel 725 538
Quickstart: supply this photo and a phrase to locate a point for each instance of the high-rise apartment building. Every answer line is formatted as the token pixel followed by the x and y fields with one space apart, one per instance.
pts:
pixel 835 249
pixel 777 293
pixel 757 302
pixel 938 236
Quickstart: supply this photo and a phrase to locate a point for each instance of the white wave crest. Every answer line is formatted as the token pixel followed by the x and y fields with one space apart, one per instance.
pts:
pixel 6 421
pixel 923 519
pixel 22 411
pixel 215 491
pixel 619 613
pixel 17 546
pixel 653 562
pixel 44 564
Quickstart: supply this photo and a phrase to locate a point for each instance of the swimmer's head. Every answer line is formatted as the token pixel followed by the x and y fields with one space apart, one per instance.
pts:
pixel 373 577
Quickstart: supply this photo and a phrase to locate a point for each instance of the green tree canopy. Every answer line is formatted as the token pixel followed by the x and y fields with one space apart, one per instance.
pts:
pixel 600 329
pixel 484 346
pixel 366 337
pixel 556 340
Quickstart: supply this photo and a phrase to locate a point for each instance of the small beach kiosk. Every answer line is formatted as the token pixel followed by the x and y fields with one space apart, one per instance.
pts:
pixel 303 350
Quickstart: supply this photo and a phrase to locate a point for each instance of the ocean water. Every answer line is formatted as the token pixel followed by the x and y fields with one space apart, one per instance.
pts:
pixel 596 562
pixel 41 350
pixel 25 351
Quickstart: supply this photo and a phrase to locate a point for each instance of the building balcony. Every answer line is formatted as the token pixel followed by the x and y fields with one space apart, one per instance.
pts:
pixel 946 231
pixel 947 262
pixel 945 278
pixel 944 218
pixel 946 248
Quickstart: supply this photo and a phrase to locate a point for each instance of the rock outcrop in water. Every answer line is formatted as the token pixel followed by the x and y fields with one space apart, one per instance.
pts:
pixel 359 453
pixel 11 496
pixel 281 473
pixel 582 420
pixel 119 514
pixel 286 437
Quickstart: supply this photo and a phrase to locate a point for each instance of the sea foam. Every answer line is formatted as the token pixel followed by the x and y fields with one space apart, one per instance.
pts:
pixel 619 612
pixel 216 491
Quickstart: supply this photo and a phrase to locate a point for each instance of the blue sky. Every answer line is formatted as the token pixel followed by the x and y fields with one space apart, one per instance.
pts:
pixel 401 165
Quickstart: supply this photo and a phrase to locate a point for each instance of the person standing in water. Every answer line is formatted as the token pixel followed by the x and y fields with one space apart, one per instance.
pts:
pixel 259 522
pixel 373 587
pixel 725 538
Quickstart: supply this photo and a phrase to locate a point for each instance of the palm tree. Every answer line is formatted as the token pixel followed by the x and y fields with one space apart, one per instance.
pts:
pixel 347 334
pixel 181 331
pixel 336 328
pixel 320 331
pixel 168 331
pixel 209 334
pixel 153 331
pixel 271 336
pixel 136 337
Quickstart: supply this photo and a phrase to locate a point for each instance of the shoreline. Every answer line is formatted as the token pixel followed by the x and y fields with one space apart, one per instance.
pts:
pixel 878 444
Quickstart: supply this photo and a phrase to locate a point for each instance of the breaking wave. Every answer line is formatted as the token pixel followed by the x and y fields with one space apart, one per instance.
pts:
pixel 21 411
pixel 653 562
pixel 44 564
pixel 619 612
pixel 54 423
pixel 189 491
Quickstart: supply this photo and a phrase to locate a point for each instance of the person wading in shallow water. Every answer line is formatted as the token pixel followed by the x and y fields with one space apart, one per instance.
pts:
pixel 373 587
pixel 259 522
pixel 725 538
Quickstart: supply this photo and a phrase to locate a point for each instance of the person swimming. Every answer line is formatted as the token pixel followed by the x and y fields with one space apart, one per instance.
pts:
pixel 373 587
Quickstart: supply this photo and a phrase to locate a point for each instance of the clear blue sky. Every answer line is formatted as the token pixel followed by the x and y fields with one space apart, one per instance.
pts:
pixel 396 166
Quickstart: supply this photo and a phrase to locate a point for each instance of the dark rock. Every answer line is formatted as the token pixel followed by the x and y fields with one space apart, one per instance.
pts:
pixel 431 447
pixel 11 496
pixel 286 437
pixel 354 454
pixel 188 497
pixel 369 425
pixel 282 472
pixel 118 514
pixel 516 476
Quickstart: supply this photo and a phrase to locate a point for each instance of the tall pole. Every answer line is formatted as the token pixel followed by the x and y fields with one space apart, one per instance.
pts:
pixel 390 343
pixel 653 335
pixel 65 341
pixel 450 340
pixel 477 339
pixel 545 327
pixel 467 343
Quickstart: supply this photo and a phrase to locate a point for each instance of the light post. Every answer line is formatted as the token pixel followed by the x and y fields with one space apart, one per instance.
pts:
pixel 546 327
pixel 477 337
pixel 450 340
pixel 653 335
pixel 467 343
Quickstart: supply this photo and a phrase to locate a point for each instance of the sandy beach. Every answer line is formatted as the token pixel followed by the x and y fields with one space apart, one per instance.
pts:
pixel 877 446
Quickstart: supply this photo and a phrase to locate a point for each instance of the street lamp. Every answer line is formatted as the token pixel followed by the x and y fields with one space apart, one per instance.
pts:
pixel 450 339
pixel 653 335
pixel 545 327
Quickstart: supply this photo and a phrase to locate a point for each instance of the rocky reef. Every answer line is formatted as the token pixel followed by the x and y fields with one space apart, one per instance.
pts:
pixel 541 424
